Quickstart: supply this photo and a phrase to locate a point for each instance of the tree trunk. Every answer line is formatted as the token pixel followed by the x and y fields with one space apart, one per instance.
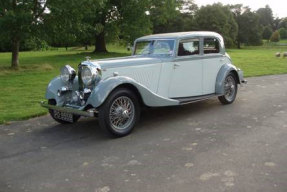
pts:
pixel 86 47
pixel 238 44
pixel 100 46
pixel 15 53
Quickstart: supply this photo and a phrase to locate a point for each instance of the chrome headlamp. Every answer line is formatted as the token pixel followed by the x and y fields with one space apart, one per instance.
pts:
pixel 89 75
pixel 68 73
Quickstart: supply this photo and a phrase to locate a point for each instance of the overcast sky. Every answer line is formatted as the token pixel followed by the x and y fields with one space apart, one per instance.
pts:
pixel 279 7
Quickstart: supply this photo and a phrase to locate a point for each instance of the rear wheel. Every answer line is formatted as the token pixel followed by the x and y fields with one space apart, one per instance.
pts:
pixel 120 112
pixel 54 114
pixel 230 90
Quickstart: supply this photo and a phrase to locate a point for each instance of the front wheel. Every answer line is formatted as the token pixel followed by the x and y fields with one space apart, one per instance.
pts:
pixel 230 90
pixel 120 112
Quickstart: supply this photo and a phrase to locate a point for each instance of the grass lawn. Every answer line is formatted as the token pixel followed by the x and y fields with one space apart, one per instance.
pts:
pixel 22 90
pixel 258 61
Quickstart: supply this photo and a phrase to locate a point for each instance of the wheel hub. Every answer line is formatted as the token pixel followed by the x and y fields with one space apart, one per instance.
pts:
pixel 125 113
pixel 121 113
pixel 229 88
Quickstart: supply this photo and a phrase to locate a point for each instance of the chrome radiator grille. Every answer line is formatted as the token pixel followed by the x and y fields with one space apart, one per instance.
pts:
pixel 81 84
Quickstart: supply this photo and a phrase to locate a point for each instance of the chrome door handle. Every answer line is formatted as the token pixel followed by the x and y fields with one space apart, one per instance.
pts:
pixel 176 65
pixel 221 59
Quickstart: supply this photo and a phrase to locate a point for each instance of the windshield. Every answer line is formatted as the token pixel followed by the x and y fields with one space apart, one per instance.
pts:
pixel 155 47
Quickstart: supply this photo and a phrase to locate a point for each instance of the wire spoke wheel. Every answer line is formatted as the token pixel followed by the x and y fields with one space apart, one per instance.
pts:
pixel 122 113
pixel 229 88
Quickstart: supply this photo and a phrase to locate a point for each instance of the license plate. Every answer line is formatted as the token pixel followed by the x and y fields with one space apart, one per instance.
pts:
pixel 63 116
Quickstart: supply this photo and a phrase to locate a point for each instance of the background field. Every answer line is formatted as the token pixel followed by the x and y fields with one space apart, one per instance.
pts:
pixel 22 90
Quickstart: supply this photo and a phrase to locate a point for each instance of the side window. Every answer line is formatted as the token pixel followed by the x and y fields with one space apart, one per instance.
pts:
pixel 188 47
pixel 210 45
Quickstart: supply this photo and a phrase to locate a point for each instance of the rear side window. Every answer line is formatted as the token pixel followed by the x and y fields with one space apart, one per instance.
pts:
pixel 211 45
pixel 188 47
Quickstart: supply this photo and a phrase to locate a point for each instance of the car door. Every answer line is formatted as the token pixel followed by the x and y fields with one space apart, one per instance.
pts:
pixel 212 62
pixel 186 77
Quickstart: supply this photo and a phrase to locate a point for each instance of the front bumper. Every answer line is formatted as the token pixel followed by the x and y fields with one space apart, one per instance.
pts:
pixel 241 78
pixel 88 113
pixel 244 81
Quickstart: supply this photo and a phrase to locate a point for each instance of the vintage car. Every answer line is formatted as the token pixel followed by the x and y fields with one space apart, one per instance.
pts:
pixel 164 70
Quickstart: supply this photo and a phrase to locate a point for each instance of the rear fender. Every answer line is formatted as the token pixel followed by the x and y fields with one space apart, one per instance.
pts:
pixel 223 72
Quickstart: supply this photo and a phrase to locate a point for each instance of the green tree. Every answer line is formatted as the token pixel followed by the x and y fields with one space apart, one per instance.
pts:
pixel 220 19
pixel 267 32
pixel 283 23
pixel 20 18
pixel 135 20
pixel 276 23
pixel 249 30
pixel 283 33
pixel 181 17
pixel 275 36
pixel 63 24
pixel 265 16
pixel 113 19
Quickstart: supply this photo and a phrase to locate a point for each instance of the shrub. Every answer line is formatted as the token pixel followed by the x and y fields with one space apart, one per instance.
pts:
pixel 30 44
pixel 35 44
pixel 275 37
pixel 267 32
pixel 283 33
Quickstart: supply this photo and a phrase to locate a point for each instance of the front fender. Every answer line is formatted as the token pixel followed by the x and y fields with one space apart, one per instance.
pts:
pixel 56 84
pixel 223 72
pixel 105 87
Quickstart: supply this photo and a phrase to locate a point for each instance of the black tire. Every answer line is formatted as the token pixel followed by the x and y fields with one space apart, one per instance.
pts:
pixel 51 111
pixel 230 91
pixel 107 111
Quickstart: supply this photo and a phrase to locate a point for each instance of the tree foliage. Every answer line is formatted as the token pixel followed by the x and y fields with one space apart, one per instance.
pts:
pixel 220 19
pixel 20 19
pixel 267 32
pixel 64 22
pixel 249 30
pixel 275 37
pixel 113 19
pixel 283 33
pixel 265 16
pixel 283 23
pixel 173 16
pixel 30 24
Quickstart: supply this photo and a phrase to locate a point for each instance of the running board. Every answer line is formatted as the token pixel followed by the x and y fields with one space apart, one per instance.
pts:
pixel 187 100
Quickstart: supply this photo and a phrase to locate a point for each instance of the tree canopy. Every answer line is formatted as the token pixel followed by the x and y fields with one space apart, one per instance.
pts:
pixel 265 16
pixel 26 24
pixel 20 19
pixel 249 30
pixel 220 19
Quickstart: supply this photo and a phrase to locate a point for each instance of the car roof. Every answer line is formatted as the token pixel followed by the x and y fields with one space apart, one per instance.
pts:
pixel 180 35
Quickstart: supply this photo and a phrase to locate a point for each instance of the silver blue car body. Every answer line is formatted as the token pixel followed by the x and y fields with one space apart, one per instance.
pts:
pixel 150 97
pixel 164 70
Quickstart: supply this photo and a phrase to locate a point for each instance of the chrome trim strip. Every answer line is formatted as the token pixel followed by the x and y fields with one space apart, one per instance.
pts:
pixel 188 100
pixel 198 57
